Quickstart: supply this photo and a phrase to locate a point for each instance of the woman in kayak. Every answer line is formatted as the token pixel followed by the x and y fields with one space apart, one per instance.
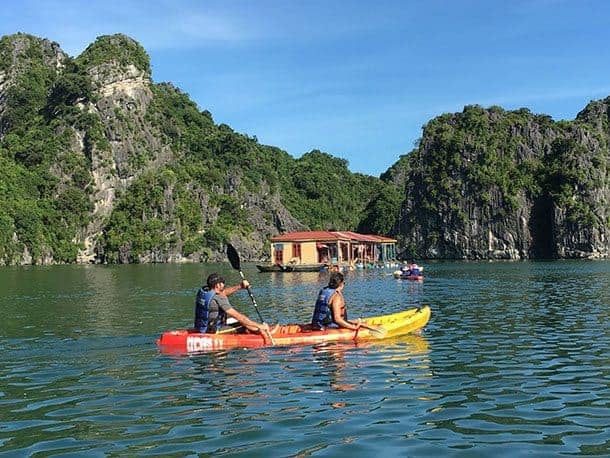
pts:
pixel 212 307
pixel 330 310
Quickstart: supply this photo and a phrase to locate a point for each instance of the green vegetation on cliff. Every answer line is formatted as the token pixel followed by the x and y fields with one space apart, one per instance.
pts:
pixel 44 200
pixel 498 183
pixel 51 128
pixel 381 213
pixel 143 173
pixel 321 192
pixel 116 49
pixel 317 189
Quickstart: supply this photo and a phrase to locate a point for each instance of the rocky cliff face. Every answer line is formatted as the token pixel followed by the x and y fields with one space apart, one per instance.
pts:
pixel 121 98
pixel 114 136
pixel 491 184
pixel 19 54
pixel 137 145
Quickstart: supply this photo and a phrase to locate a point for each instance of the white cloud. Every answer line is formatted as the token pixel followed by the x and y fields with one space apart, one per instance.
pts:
pixel 155 24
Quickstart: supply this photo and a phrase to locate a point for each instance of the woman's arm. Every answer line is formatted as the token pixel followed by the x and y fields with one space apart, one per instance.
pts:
pixel 336 302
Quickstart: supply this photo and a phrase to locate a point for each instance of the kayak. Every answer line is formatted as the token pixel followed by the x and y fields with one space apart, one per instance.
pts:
pixel 396 324
pixel 398 275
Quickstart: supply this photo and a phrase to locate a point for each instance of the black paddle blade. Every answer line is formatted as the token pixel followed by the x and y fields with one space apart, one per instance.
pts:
pixel 233 256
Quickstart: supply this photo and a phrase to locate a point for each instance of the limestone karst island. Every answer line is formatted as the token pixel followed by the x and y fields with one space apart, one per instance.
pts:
pixel 99 164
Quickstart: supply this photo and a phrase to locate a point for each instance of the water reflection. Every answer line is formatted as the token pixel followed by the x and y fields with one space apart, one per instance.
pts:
pixel 246 380
pixel 331 359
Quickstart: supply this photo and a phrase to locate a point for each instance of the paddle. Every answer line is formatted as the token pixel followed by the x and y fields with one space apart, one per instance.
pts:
pixel 378 332
pixel 233 256
pixel 230 330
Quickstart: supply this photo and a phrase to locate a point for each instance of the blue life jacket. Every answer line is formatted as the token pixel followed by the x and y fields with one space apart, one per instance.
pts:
pixel 206 319
pixel 322 313
pixel 415 271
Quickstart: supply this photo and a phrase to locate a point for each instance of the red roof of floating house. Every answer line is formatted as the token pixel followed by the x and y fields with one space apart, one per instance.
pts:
pixel 329 236
pixel 307 236
pixel 366 237
pixel 383 239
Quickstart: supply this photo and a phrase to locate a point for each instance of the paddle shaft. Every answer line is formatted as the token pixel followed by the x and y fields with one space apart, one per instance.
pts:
pixel 233 256
pixel 373 329
pixel 241 274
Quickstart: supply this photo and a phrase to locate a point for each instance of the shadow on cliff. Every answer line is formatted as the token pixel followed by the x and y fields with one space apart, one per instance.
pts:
pixel 541 229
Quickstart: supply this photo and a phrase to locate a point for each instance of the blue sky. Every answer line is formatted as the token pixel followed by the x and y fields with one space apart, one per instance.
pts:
pixel 357 79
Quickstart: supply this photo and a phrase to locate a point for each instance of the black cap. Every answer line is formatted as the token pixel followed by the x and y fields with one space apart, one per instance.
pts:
pixel 214 279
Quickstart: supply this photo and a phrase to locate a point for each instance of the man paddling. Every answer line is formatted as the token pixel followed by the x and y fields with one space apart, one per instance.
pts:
pixel 212 307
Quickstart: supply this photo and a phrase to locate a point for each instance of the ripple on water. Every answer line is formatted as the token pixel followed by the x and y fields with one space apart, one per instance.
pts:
pixel 515 358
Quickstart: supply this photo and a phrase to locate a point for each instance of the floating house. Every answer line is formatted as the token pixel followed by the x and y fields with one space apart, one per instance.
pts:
pixel 341 248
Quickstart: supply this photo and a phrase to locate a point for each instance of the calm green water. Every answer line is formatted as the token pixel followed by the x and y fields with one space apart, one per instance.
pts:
pixel 515 361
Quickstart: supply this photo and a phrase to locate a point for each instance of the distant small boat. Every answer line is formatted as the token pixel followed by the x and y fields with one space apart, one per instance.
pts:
pixel 290 267
pixel 269 268
pixel 304 267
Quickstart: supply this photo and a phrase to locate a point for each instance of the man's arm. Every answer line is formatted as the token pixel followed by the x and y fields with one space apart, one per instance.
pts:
pixel 247 322
pixel 232 289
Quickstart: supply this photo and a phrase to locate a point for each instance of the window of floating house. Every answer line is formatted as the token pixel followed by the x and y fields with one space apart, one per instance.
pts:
pixel 296 250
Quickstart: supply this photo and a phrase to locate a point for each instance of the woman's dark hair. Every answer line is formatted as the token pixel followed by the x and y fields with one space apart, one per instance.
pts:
pixel 335 280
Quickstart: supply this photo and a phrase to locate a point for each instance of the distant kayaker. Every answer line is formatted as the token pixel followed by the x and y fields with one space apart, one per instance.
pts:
pixel 212 307
pixel 330 310
pixel 415 269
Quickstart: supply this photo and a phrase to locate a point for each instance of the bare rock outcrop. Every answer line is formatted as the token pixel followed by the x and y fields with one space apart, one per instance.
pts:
pixel 131 145
pixel 491 184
